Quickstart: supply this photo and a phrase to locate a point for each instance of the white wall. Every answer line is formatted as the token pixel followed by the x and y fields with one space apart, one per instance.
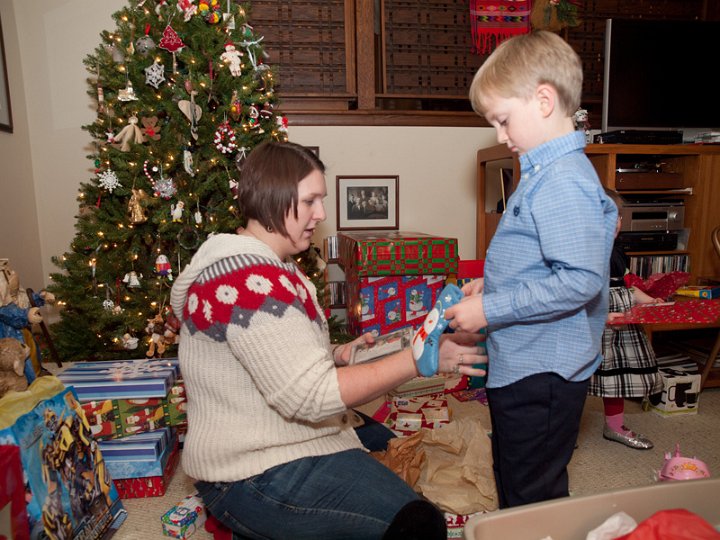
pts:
pixel 43 161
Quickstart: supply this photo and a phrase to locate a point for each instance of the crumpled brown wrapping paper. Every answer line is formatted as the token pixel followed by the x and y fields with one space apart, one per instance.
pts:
pixel 451 466
pixel 405 456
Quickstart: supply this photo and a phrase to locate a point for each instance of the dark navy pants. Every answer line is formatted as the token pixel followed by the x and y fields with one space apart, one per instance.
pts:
pixel 535 424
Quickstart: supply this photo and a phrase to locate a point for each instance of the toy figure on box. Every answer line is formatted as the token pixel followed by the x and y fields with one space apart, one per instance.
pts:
pixel 16 312
pixel 629 368
pixel 268 398
pixel 17 315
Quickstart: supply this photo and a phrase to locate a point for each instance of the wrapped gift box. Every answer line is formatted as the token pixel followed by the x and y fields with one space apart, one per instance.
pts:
pixel 395 253
pixel 150 486
pixel 143 446
pixel 140 456
pixel 410 415
pixel 393 277
pixel 183 519
pixel 680 392
pixel 13 516
pixel 124 379
pixel 420 386
pixel 126 397
pixel 177 404
pixel 383 304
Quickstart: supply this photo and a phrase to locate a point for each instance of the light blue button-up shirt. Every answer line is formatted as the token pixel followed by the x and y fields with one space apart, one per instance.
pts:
pixel 547 268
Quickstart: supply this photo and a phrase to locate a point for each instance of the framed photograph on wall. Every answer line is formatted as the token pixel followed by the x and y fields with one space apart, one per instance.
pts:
pixel 367 202
pixel 5 111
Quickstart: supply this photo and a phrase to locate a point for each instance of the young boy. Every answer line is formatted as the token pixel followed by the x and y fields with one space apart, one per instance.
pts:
pixel 544 299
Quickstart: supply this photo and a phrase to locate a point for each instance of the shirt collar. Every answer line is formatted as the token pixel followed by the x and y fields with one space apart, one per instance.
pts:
pixel 541 156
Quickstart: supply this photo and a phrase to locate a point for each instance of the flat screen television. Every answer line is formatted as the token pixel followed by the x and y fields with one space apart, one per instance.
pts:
pixel 659 75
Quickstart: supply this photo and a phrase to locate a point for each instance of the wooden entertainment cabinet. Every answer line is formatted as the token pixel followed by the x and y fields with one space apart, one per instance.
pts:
pixel 699 167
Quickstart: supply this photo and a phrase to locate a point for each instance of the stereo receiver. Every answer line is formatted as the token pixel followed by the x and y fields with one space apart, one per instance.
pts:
pixel 652 216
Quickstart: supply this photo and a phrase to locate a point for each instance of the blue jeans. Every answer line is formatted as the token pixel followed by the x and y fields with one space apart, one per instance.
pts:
pixel 347 495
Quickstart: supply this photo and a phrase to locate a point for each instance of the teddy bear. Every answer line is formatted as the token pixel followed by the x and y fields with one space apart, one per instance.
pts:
pixel 12 365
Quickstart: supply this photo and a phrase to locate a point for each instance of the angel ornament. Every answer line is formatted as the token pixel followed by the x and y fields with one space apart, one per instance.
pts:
pixel 128 134
pixel 135 208
pixel 232 57
pixel 132 279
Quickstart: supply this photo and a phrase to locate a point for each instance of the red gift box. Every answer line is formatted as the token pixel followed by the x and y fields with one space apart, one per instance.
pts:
pixel 383 304
pixel 151 486
pixel 12 493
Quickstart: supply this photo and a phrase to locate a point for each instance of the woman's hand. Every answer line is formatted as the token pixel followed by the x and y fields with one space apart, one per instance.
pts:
pixel 458 353
pixel 341 353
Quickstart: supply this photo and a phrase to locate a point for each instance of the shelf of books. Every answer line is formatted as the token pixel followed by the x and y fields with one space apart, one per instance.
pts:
pixel 646 265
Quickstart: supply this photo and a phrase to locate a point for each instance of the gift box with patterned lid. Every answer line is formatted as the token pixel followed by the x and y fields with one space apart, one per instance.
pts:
pixel 396 253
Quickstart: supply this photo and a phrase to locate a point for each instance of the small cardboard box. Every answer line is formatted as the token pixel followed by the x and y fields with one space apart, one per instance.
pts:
pixel 183 519
pixel 680 393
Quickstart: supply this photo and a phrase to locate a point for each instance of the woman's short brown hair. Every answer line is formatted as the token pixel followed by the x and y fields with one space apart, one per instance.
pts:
pixel 269 177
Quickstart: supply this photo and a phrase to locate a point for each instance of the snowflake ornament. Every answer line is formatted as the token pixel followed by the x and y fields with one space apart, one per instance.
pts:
pixel 155 74
pixel 109 180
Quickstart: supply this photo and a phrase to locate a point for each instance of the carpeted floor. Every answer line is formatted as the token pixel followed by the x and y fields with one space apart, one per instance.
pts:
pixel 597 466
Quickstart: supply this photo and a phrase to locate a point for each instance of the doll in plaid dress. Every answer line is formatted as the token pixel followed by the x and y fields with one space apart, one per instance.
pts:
pixel 629 367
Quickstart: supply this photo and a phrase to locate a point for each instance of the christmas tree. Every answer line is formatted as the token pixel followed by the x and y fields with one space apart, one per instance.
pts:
pixel 183 95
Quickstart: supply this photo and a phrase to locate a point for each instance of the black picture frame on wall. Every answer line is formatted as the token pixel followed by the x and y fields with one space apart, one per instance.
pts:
pixel 367 202
pixel 6 123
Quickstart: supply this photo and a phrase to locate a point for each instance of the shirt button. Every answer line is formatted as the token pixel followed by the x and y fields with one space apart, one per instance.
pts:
pixel 536 168
pixel 525 176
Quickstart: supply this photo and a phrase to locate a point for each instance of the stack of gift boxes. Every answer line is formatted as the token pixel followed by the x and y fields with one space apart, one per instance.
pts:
pixel 393 278
pixel 136 410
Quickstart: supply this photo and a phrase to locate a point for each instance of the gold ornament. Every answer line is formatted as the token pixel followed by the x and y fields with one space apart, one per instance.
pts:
pixel 135 208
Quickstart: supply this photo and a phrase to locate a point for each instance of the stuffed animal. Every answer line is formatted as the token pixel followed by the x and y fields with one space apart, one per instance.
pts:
pixel 16 314
pixel 12 365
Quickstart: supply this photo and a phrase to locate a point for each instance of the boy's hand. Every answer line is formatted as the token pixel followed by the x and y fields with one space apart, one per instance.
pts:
pixel 467 315
pixel 473 287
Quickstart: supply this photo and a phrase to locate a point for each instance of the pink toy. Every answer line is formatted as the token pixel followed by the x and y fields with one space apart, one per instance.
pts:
pixel 677 467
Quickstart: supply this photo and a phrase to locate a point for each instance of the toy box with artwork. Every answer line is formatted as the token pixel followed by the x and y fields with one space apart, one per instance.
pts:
pixel 680 392
pixel 183 519
pixel 69 492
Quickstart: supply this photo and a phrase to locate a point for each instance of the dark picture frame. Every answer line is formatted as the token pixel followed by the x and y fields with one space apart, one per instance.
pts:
pixel 369 202
pixel 6 123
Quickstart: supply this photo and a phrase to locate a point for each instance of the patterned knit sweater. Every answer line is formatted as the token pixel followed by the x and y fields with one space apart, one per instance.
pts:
pixel 261 384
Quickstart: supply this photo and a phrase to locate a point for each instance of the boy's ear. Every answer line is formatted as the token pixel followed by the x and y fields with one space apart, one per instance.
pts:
pixel 546 96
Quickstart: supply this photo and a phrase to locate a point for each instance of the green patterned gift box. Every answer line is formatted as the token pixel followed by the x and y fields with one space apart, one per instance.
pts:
pixel 396 253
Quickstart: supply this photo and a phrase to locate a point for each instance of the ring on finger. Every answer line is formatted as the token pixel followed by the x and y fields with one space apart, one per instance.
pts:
pixel 456 369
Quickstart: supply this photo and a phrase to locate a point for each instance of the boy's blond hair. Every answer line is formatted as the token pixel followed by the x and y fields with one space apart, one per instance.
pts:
pixel 520 64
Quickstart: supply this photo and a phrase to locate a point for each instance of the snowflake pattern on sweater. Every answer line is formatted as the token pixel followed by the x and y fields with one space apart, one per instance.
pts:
pixel 233 290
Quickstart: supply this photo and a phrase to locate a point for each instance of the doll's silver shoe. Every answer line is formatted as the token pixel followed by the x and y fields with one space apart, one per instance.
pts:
pixel 629 438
